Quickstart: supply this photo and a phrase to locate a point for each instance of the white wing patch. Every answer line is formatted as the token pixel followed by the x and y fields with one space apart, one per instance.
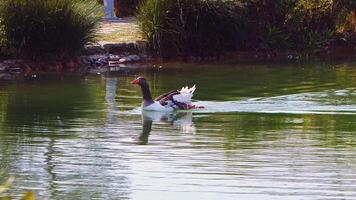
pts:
pixel 185 95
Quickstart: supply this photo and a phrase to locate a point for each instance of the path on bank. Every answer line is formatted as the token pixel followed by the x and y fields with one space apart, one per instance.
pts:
pixel 121 30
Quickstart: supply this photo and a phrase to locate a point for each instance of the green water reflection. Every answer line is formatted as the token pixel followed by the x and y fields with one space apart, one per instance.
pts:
pixel 87 139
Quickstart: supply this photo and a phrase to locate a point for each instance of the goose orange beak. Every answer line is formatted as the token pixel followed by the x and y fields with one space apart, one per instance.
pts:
pixel 136 81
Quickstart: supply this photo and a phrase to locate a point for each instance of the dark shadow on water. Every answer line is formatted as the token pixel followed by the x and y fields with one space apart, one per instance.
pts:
pixel 146 130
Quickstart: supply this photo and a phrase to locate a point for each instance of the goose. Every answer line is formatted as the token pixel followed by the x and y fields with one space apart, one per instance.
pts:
pixel 170 101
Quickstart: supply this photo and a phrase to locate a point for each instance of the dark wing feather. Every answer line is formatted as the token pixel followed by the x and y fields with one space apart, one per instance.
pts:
pixel 166 96
pixel 174 92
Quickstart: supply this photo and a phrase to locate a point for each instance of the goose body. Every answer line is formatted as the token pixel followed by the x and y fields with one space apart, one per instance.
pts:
pixel 156 106
pixel 167 102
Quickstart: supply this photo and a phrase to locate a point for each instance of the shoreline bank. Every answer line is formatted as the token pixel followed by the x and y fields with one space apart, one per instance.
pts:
pixel 116 57
pixel 106 57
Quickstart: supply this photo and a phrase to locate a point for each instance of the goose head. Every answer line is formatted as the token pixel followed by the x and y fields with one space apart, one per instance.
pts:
pixel 139 81
pixel 146 94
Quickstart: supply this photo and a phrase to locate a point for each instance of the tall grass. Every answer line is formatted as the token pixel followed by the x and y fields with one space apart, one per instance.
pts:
pixel 50 29
pixel 289 24
pixel 151 17
pixel 189 27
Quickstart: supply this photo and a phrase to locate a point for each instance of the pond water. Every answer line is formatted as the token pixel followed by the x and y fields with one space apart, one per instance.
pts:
pixel 267 132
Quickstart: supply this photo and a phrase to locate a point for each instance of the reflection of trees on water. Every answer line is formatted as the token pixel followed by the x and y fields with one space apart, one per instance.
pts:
pixel 3 108
pixel 57 136
pixel 231 81
pixel 44 141
pixel 248 130
pixel 42 105
pixel 334 130
pixel 34 116
pixel 96 171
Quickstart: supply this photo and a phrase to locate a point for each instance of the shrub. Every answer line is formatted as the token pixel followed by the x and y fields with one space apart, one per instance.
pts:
pixel 48 29
pixel 289 24
pixel 311 24
pixel 190 27
pixel 206 27
pixel 346 21
pixel 265 23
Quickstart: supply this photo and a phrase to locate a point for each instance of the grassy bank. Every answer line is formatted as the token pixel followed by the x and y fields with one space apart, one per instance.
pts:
pixel 212 27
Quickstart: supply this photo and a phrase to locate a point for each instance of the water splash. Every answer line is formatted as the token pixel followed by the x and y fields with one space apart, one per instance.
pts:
pixel 327 102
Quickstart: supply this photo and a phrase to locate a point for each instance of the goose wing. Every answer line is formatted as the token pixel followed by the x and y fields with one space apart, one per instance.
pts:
pixel 167 94
pixel 166 98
